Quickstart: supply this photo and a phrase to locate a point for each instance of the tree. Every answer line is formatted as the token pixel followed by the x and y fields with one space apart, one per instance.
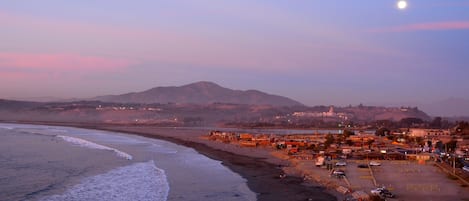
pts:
pixel 348 133
pixel 312 147
pixel 451 145
pixel 436 123
pixel 462 128
pixel 419 141
pixel 409 122
pixel 390 137
pixel 369 143
pixel 439 145
pixel 384 123
pixel 329 140
pixel 382 132
pixel 349 142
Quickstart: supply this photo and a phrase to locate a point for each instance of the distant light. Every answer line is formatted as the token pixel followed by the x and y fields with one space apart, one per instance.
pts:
pixel 402 4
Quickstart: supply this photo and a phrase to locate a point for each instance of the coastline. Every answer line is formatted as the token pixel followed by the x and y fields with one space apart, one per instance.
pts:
pixel 258 167
pixel 33 169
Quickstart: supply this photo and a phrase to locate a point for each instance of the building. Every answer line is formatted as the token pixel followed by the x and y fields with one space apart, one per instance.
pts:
pixel 422 132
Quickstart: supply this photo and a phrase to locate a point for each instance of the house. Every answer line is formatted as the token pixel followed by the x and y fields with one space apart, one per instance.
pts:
pixel 246 136
pixel 422 132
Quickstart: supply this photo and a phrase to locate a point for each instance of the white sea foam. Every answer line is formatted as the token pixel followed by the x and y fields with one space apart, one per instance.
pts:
pixel 92 145
pixel 6 127
pixel 56 130
pixel 192 176
pixel 139 181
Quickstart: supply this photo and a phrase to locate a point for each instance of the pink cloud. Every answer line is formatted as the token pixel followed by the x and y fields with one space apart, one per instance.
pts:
pixel 61 61
pixel 179 46
pixel 14 75
pixel 431 26
pixel 68 26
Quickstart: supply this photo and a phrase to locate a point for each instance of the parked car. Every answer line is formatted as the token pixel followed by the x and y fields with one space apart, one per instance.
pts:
pixel 341 163
pixel 387 194
pixel 362 166
pixel 338 173
pixel 350 198
pixel 382 192
pixel 375 163
pixel 466 168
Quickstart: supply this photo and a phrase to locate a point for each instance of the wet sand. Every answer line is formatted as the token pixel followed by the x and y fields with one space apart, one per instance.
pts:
pixel 258 166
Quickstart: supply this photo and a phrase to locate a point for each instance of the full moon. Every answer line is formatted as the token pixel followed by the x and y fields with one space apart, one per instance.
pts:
pixel 402 4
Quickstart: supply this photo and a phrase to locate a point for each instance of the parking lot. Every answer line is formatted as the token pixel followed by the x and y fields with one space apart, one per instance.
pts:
pixel 408 180
pixel 411 181
pixel 359 178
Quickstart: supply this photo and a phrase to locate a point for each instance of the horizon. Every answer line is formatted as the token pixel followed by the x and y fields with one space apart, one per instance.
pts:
pixel 317 53
pixel 420 105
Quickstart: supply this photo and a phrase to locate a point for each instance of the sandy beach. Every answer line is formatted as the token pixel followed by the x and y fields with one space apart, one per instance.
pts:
pixel 258 166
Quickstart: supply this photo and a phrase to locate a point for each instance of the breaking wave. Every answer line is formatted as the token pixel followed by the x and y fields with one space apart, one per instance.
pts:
pixel 139 181
pixel 6 127
pixel 92 145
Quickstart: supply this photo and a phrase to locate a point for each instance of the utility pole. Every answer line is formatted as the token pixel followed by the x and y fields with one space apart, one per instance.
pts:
pixel 454 164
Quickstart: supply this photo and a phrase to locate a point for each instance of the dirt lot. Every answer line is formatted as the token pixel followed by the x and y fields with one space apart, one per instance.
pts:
pixel 411 181
pixel 359 178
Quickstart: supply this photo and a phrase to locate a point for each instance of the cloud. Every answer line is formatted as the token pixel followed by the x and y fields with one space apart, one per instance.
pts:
pixel 298 43
pixel 430 26
pixel 61 61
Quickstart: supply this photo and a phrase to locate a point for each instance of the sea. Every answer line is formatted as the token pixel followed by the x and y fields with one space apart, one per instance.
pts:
pixel 277 131
pixel 53 163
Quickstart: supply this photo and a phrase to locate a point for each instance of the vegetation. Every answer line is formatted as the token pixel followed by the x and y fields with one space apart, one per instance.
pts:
pixel 369 143
pixel 329 140
pixel 348 133
pixel 382 132
pixel 462 128
pixel 451 145
pixel 349 142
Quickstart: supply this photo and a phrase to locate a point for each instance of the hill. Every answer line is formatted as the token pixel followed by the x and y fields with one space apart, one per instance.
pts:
pixel 200 93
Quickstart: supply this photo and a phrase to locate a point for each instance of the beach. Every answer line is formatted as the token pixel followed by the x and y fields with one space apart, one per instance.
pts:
pixel 257 166
pixel 50 163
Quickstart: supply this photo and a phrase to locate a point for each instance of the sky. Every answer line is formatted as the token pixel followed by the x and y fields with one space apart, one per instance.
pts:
pixel 319 52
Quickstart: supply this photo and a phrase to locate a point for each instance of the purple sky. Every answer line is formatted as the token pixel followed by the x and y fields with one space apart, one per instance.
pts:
pixel 314 51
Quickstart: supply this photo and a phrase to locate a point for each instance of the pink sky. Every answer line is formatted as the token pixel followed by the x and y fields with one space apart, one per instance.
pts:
pixel 366 52
pixel 429 26
pixel 61 62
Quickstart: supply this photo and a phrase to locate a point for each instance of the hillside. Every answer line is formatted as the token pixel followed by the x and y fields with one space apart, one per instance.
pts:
pixel 200 93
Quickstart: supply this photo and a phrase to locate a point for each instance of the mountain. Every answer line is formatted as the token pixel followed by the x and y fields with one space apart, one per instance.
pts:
pixel 200 93
pixel 44 99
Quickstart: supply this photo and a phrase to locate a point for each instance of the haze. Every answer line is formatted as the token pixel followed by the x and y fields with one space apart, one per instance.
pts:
pixel 317 52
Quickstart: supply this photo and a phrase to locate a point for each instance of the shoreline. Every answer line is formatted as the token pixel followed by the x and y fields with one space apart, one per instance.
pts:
pixel 33 169
pixel 260 170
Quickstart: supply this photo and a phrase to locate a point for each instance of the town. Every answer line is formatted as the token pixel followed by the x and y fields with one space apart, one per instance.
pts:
pixel 368 164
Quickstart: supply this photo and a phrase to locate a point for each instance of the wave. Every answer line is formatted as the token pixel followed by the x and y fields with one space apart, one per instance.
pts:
pixel 92 145
pixel 139 181
pixel 6 127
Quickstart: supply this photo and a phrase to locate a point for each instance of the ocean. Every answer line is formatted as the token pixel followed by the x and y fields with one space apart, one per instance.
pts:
pixel 52 163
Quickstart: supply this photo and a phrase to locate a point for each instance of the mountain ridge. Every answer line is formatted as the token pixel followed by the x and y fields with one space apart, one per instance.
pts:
pixel 202 92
